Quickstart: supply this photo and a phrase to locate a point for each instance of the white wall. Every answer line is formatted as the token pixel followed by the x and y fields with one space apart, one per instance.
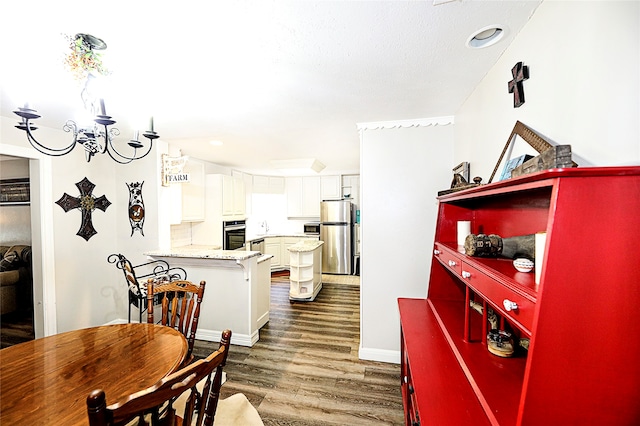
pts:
pixel 401 171
pixel 583 89
pixel 88 290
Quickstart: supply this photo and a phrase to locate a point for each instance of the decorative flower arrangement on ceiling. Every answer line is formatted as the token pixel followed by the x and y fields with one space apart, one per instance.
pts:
pixel 84 57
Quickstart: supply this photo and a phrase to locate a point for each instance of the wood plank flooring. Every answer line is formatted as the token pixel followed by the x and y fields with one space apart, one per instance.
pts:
pixel 16 327
pixel 305 370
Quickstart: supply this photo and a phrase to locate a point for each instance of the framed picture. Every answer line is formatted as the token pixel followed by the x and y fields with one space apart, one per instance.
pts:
pixel 512 164
pixel 14 191
pixel 462 169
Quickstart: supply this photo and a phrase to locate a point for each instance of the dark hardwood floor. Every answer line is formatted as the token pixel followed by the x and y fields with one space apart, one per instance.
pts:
pixel 305 370
pixel 16 327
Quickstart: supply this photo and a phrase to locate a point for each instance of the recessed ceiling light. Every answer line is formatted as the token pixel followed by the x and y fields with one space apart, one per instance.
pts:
pixel 216 143
pixel 485 37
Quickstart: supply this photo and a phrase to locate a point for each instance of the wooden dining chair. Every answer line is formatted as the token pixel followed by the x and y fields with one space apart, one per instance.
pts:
pixel 180 307
pixel 155 405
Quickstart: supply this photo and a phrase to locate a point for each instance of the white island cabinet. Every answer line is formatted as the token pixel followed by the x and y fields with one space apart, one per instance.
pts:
pixel 306 270
pixel 236 295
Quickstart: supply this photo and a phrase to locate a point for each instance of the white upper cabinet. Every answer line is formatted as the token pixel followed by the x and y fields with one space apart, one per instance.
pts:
pixel 331 188
pixel 233 201
pixel 193 192
pixel 239 200
pixel 225 197
pixel 268 185
pixel 303 196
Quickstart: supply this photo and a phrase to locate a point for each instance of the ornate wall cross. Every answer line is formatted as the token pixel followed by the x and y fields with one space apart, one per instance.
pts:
pixel 520 73
pixel 87 203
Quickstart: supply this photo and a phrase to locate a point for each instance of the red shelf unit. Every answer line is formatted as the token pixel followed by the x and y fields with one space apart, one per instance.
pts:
pixel 582 366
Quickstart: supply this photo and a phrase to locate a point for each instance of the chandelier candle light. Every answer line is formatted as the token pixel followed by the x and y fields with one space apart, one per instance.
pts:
pixel 98 139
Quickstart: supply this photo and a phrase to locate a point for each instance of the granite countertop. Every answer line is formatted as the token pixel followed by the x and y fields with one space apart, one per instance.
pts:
pixel 309 245
pixel 250 238
pixel 204 252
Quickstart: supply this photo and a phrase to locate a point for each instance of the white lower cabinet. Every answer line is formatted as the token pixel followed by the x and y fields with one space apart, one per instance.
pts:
pixel 273 246
pixel 278 247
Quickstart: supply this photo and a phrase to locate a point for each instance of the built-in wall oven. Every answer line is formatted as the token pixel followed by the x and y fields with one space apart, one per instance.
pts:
pixel 234 235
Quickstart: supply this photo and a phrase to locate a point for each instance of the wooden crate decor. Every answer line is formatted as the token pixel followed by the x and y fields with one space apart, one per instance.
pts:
pixel 556 157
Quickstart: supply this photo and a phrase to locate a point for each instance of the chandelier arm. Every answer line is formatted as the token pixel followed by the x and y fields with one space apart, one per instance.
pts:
pixel 54 152
pixel 130 159
pixel 118 160
pixel 107 137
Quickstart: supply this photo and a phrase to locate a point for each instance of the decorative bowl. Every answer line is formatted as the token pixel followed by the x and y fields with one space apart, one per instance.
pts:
pixel 523 264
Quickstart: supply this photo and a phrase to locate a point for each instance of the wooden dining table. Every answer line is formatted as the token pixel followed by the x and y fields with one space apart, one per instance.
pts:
pixel 46 381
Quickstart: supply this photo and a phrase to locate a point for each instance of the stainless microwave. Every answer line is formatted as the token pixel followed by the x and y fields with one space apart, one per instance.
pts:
pixel 312 228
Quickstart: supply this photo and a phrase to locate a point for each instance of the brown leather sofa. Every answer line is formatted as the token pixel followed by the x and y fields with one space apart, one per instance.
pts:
pixel 16 280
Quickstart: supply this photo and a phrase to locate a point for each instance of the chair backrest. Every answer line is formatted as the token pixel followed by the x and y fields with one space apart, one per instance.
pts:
pixel 180 307
pixel 156 403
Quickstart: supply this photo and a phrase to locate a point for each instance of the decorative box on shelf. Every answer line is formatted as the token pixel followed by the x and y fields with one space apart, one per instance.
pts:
pixel 14 191
pixel 575 360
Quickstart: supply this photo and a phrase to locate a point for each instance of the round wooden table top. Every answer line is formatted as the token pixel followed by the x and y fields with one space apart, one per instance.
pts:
pixel 46 381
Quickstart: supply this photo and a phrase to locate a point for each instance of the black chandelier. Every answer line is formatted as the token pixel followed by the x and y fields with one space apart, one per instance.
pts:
pixel 95 139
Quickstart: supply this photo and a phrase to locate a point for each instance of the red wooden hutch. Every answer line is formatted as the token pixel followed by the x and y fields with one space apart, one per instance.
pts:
pixel 582 366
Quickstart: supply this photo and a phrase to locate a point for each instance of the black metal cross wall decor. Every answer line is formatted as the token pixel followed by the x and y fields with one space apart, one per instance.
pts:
pixel 520 73
pixel 87 203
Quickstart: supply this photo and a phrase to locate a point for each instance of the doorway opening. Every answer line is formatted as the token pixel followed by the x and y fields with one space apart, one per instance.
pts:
pixel 42 294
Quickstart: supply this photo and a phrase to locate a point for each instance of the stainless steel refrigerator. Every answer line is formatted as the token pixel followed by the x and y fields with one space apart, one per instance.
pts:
pixel 336 229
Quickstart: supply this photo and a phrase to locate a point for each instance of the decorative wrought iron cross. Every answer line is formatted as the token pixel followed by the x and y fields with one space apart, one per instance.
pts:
pixel 520 73
pixel 87 203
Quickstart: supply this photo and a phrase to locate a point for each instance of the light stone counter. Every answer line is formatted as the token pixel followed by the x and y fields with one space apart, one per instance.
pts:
pixel 250 238
pixel 304 246
pixel 204 252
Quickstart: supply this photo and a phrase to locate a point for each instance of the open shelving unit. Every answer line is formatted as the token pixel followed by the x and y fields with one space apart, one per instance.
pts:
pixel 305 275
pixel 581 362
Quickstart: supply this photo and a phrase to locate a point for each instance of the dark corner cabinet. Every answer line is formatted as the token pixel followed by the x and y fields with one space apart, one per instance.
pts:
pixel 582 365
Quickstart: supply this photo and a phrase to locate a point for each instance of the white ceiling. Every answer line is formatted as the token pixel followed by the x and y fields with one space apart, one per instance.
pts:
pixel 272 80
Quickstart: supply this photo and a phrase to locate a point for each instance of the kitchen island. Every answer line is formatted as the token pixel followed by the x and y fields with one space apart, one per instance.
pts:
pixel 237 289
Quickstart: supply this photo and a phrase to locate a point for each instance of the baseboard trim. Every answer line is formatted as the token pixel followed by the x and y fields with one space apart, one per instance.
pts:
pixel 381 355
pixel 236 338
pixel 213 335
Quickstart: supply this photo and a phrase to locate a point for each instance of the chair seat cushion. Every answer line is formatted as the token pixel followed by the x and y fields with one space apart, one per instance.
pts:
pixel 237 410
pixel 232 411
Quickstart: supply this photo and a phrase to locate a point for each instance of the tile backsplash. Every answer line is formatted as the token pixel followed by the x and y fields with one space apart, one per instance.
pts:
pixel 181 235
